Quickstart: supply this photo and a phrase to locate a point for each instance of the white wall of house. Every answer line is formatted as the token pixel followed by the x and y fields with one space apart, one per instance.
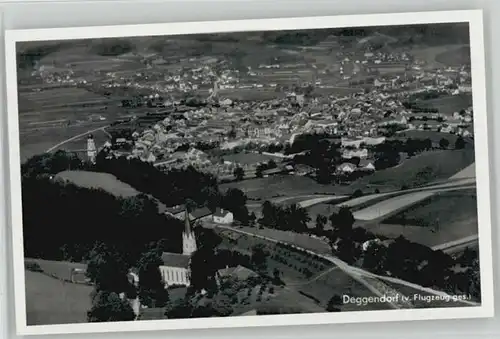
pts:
pixel 226 219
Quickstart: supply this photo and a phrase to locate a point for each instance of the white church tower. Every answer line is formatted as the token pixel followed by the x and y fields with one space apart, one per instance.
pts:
pixel 91 149
pixel 188 237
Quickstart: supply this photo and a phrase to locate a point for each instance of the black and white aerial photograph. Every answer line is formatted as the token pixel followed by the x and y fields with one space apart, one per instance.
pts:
pixel 249 173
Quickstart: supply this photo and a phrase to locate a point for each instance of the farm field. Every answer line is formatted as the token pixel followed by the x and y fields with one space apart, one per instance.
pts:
pixel 448 207
pixel 448 104
pixel 455 57
pixel 63 103
pixel 96 180
pixel 393 203
pixel 51 301
pixel 440 219
pixel 283 185
pixel 437 165
pixel 38 141
pixel 437 56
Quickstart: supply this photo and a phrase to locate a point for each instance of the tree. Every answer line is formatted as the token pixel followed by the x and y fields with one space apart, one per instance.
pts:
pixel 259 258
pixel 277 276
pixel 152 292
pixel 460 143
pixel 269 214
pixel 235 200
pixel 108 306
pixel 239 173
pixel 444 143
pixel 107 269
pixel 251 219
pixel 204 262
pixel 295 218
pixel 321 221
pixel 343 221
pixel 374 258
pixel 346 250
pixel 334 303
pixel 259 170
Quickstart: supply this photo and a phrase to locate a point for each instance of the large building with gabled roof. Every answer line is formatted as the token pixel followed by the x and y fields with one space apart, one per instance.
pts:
pixel 175 268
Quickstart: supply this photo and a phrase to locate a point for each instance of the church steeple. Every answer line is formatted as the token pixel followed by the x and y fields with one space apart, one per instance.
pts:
pixel 187 223
pixel 188 237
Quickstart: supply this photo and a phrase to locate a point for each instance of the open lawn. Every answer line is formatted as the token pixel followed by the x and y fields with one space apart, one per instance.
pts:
pixel 51 301
pixel 282 185
pixel 96 180
pixel 418 170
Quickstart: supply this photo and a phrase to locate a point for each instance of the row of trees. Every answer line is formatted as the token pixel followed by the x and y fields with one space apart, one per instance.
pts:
pixel 420 264
pixel 290 218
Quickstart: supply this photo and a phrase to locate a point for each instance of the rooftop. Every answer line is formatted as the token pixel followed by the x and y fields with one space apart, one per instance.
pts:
pixel 175 260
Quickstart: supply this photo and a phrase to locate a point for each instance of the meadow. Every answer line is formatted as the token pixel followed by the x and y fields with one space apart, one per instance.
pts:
pixel 96 180
pixel 418 170
pixel 448 104
pixel 283 185
pixel 51 301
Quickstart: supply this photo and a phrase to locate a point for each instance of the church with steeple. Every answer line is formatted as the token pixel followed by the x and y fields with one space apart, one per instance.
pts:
pixel 175 268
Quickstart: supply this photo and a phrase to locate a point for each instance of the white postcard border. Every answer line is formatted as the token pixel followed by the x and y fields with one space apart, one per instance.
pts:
pixel 475 20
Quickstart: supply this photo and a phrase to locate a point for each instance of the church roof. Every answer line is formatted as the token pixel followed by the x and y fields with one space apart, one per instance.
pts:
pixel 175 260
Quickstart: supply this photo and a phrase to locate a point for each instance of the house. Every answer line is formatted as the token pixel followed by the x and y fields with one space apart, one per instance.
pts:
pixel 197 214
pixel 360 153
pixel 200 214
pixel 366 165
pixel 346 167
pixel 222 216
pixel 239 272
pixel 175 211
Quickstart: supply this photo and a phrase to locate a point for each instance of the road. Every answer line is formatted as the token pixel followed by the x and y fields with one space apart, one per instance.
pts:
pixel 361 275
pixel 75 138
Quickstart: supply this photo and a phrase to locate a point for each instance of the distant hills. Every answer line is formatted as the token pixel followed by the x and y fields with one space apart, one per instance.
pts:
pixel 376 37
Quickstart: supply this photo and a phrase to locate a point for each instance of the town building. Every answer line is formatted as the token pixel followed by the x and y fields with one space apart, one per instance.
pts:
pixel 175 267
pixel 222 216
